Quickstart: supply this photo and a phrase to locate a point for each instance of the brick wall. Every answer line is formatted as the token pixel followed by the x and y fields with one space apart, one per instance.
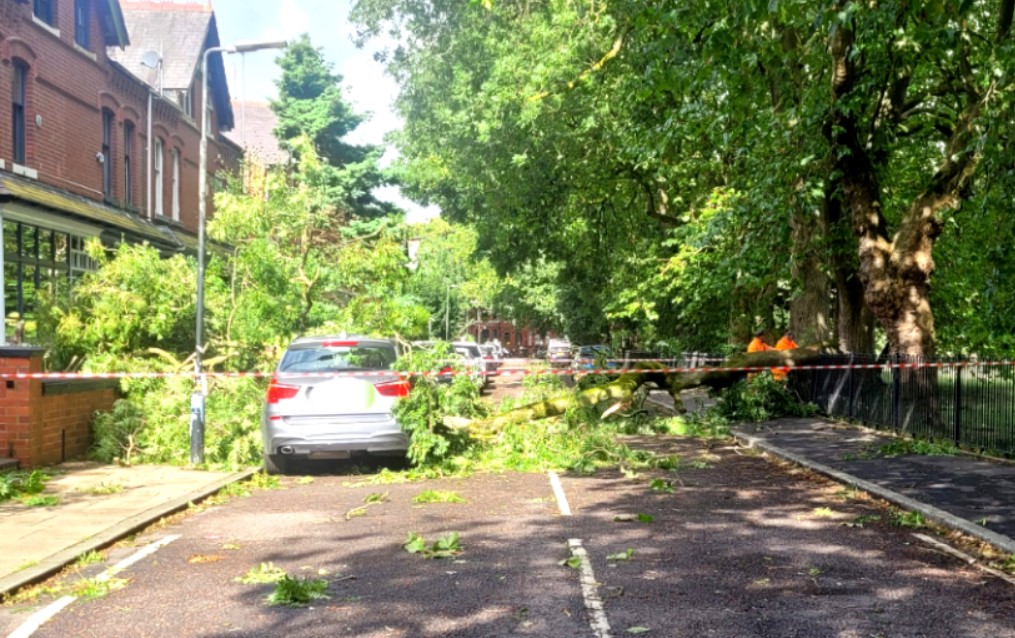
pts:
pixel 45 422
pixel 67 89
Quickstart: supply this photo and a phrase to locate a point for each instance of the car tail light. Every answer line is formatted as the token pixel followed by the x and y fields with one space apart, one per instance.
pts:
pixel 393 388
pixel 279 391
pixel 340 344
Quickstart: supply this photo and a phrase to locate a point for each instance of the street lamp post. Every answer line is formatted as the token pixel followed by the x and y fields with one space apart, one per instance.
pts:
pixel 197 399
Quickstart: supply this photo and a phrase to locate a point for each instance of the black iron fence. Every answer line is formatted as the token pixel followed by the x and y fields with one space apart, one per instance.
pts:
pixel 969 403
pixel 962 401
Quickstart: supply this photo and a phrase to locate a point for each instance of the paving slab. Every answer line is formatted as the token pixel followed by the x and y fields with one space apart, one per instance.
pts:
pixel 965 492
pixel 99 504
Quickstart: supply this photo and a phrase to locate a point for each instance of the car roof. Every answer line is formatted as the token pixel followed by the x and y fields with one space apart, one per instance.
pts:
pixel 321 339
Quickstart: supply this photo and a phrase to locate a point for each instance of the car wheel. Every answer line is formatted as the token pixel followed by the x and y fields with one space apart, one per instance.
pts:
pixel 273 464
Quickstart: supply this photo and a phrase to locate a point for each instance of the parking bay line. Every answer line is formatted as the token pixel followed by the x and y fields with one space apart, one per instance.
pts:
pixel 593 603
pixel 47 613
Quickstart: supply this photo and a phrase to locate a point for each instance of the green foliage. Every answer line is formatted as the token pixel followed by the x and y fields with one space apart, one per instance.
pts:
pixel 422 413
pixel 625 555
pixel 297 591
pixel 759 399
pixel 263 573
pixel 136 300
pixel 917 447
pixel 908 519
pixel 40 500
pixel 679 167
pixel 19 483
pixel 661 485
pixel 310 105
pixel 152 424
pixel 438 496
pixel 447 546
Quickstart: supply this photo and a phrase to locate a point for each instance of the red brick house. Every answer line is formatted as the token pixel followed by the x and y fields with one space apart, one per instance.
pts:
pixel 74 114
pixel 74 165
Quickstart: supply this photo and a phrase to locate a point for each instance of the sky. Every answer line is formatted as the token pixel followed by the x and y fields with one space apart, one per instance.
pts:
pixel 365 83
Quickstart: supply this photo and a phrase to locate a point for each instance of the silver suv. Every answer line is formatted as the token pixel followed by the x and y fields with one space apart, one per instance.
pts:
pixel 332 396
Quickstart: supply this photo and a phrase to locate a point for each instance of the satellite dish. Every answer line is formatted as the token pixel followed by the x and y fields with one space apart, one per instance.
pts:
pixel 151 59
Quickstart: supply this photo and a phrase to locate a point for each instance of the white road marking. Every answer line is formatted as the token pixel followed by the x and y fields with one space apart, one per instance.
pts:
pixel 558 491
pixel 590 592
pixel 40 617
pixel 597 616
pixel 47 613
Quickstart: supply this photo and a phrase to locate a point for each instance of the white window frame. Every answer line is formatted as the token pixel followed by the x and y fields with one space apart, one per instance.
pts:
pixel 159 186
pixel 176 184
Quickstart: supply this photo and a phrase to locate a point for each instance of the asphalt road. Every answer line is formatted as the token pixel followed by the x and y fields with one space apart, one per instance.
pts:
pixel 740 547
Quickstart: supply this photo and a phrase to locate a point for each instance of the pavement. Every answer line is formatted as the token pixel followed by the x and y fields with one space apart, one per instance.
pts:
pixel 968 493
pixel 98 505
pixel 101 504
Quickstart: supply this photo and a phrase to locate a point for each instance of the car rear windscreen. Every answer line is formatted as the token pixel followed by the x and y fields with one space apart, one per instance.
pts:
pixel 337 358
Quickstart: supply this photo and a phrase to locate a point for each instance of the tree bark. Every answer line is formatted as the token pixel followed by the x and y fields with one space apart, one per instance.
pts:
pixel 809 310
pixel 854 321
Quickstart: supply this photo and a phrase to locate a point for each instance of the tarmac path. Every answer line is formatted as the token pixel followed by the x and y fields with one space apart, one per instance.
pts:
pixel 736 546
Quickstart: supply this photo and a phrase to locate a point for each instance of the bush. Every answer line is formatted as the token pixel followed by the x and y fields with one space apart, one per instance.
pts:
pixel 760 399
pixel 152 424
pixel 422 413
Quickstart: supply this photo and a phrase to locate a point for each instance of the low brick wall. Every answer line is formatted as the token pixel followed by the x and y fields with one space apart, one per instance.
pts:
pixel 46 422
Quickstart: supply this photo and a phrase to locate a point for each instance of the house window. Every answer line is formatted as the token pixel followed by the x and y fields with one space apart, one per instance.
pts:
pixel 81 33
pixel 158 177
pixel 18 111
pixel 44 11
pixel 186 102
pixel 176 185
pixel 210 118
pixel 107 154
pixel 128 165
pixel 38 262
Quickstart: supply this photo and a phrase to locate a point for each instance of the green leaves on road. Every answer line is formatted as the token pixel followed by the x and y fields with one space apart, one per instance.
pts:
pixel 438 496
pixel 625 555
pixel 297 591
pixel 444 547
pixel 629 518
pixel 374 498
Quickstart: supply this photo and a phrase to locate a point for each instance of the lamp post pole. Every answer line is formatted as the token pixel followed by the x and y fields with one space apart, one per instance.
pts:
pixel 197 400
pixel 447 313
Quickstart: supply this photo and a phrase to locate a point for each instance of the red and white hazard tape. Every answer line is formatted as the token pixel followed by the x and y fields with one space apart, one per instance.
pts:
pixel 57 376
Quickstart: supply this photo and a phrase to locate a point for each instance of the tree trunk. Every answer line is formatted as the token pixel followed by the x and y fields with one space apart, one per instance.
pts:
pixel 854 322
pixel 896 270
pixel 624 387
pixel 809 309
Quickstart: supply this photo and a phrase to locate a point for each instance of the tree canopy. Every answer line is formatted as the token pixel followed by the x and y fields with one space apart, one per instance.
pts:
pixel 694 171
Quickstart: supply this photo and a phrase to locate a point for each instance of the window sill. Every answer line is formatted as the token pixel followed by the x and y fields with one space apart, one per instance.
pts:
pixel 24 171
pixel 45 26
pixel 168 221
pixel 85 52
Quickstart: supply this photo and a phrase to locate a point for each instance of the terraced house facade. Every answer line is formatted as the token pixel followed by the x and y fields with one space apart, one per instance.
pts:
pixel 79 82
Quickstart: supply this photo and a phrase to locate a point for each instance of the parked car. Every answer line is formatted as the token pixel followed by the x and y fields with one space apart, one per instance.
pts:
pixel 593 357
pixel 493 357
pixel 470 357
pixel 474 359
pixel 310 413
pixel 558 353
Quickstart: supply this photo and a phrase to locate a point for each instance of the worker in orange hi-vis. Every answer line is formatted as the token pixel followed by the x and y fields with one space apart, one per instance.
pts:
pixel 786 343
pixel 757 344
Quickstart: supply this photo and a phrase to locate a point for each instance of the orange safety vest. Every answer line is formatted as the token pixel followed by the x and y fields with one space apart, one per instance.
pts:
pixel 779 374
pixel 758 345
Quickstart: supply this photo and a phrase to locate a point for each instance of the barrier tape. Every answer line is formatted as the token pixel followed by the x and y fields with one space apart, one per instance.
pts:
pixel 58 376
